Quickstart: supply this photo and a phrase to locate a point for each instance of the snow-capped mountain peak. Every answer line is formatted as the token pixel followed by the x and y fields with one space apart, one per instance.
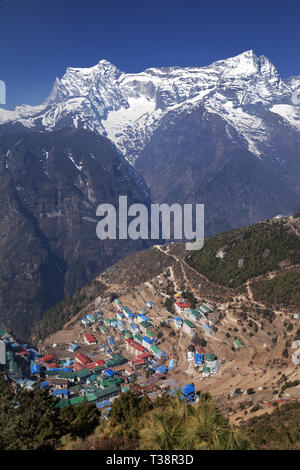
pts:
pixel 127 107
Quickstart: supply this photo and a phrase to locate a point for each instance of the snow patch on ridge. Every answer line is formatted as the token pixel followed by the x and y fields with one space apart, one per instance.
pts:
pixel 289 113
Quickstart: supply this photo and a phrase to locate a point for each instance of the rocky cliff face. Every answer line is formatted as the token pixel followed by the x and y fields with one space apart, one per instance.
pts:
pixel 50 187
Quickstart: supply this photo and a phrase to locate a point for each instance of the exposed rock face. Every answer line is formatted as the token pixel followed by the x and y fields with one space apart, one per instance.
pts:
pixel 241 263
pixel 221 253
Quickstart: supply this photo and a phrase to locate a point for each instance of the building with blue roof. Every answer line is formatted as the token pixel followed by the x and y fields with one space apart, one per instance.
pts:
pixel 188 391
pixel 85 322
pixel 44 385
pixel 103 404
pixel 90 317
pixel 63 392
pixel 33 353
pixel 68 362
pixel 177 322
pixel 142 318
pixel 109 372
pixel 172 364
pixel 35 368
pixel 26 383
pixel 72 347
pixel 199 358
pixel 146 342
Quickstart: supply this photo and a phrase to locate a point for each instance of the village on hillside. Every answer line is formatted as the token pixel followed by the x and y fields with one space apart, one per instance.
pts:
pixel 118 348
pixel 173 331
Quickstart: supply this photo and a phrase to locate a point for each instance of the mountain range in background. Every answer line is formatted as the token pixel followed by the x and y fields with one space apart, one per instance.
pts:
pixel 226 135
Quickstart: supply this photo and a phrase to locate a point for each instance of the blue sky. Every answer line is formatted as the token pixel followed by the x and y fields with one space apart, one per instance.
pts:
pixel 40 38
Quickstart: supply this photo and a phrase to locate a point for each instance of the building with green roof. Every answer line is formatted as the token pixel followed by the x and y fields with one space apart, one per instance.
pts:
pixel 127 334
pixel 98 369
pixel 115 360
pixel 75 389
pixel 4 334
pixel 91 397
pixel 110 391
pixel 108 382
pixel 210 357
pixel 204 309
pixel 238 344
pixel 83 374
pixel 62 403
pixel 76 400
pixel 146 325
pixel 69 375
pixel 194 314
pixel 154 349
pixel 189 327
pixel 138 339
pixel 150 334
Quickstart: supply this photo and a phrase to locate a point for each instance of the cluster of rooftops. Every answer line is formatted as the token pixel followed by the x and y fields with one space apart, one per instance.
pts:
pixel 73 380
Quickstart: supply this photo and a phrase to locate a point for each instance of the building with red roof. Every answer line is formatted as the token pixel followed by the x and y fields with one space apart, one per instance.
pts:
pixel 47 358
pixel 94 364
pixel 199 350
pixel 78 366
pixel 182 306
pixel 137 363
pixel 133 347
pixel 145 355
pixel 51 365
pixel 89 338
pixel 23 352
pixel 82 359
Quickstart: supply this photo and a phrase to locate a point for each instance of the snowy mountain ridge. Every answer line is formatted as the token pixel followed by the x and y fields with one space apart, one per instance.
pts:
pixel 246 91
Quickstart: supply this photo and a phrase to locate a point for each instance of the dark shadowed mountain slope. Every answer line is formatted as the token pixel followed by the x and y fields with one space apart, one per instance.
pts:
pixel 196 158
pixel 50 186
